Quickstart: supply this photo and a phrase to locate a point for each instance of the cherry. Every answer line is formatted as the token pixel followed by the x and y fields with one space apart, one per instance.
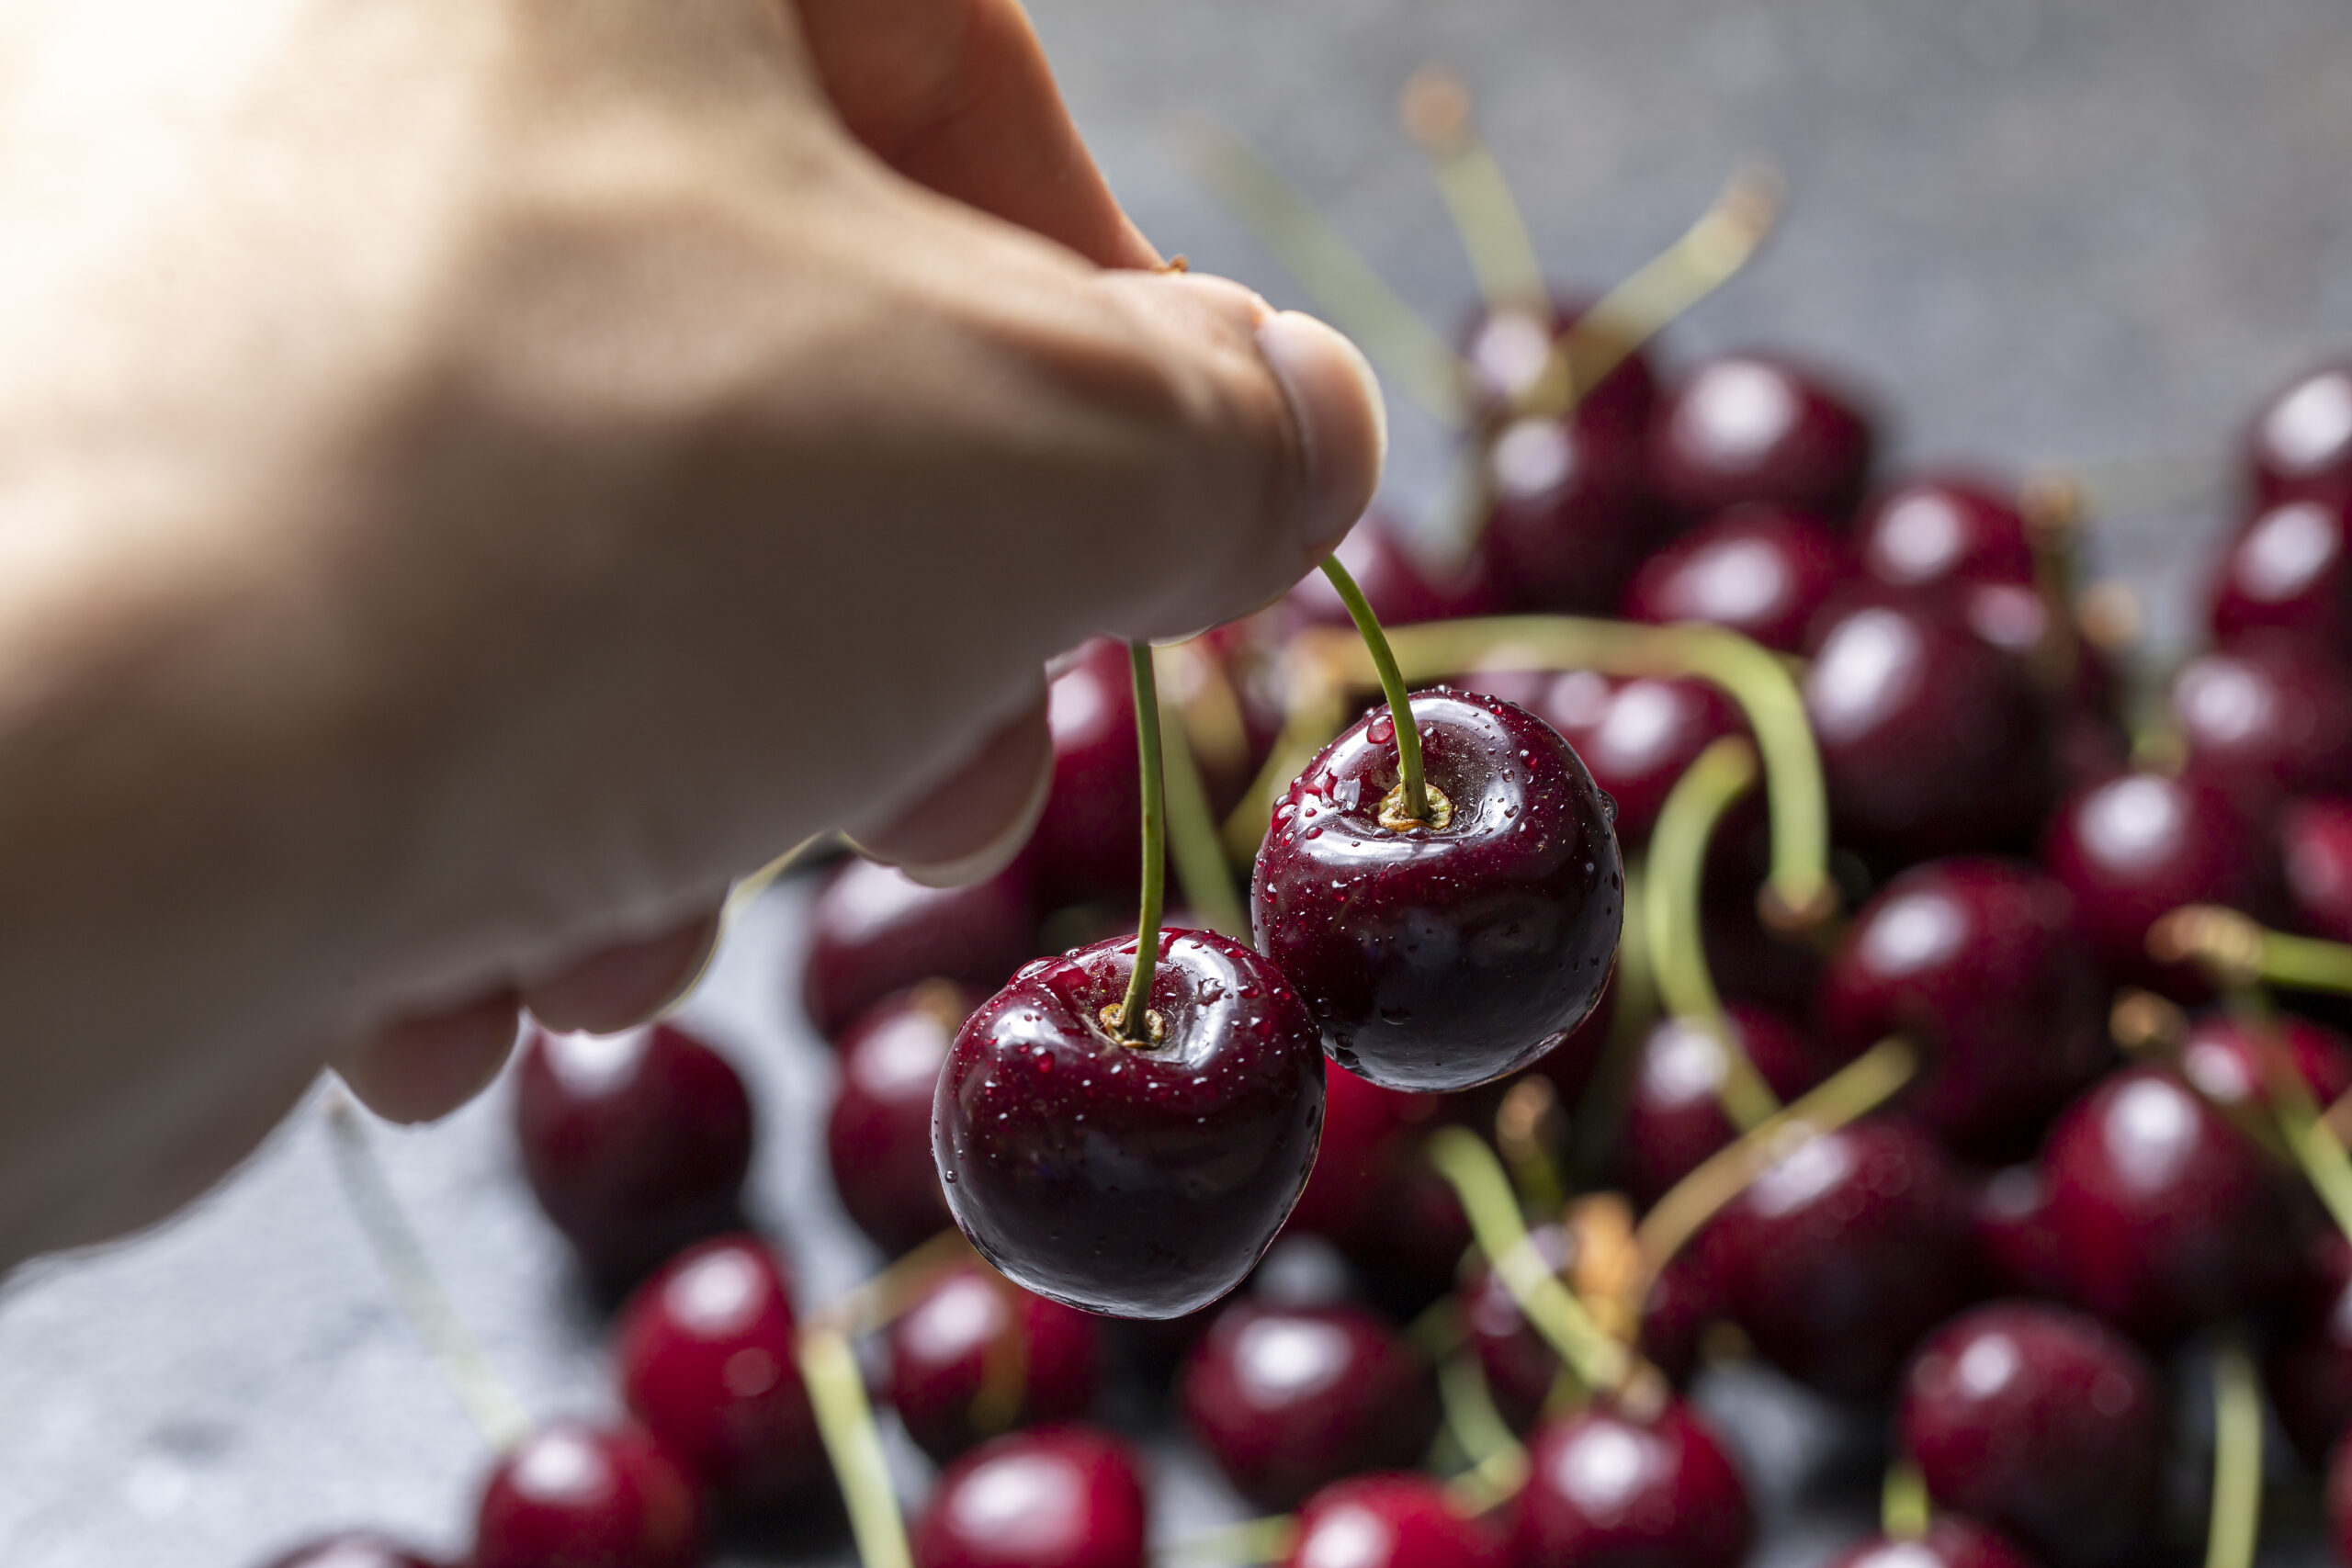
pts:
pixel 1763 571
pixel 1441 955
pixel 878 1136
pixel 1607 1490
pixel 2284 572
pixel 1684 1301
pixel 1569 515
pixel 1931 740
pixel 1290 1398
pixel 2307 1364
pixel 1368 1134
pixel 1975 960
pixel 2266 718
pixel 1519 1364
pixel 1673 1117
pixel 1410 1238
pixel 635 1145
pixel 1085 844
pixel 1937 530
pixel 873 932
pixel 2317 836
pixel 1755 427
pixel 576 1496
pixel 2018 1254
pixel 351 1551
pixel 1507 352
pixel 1143 1181
pixel 1062 1497
pixel 1401 586
pixel 2044 1422
pixel 1840 1257
pixel 974 1355
pixel 2225 1059
pixel 1397 1520
pixel 1635 737
pixel 1951 1541
pixel 2302 440
pixel 707 1364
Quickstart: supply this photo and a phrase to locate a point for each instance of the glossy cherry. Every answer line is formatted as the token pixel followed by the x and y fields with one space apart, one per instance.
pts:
pixel 2307 1359
pixel 1761 571
pixel 1290 1398
pixel 2229 1061
pixel 1066 1497
pixel 1507 352
pixel 353 1550
pixel 1368 1135
pixel 1840 1257
pixel 1395 1520
pixel 1932 739
pixel 1977 961
pixel 2018 1254
pixel 878 1136
pixel 1084 847
pixel 1398 582
pixel 1143 1181
pixel 1673 1115
pixel 2302 440
pixel 1757 427
pixel 2266 719
pixel 1439 956
pixel 873 932
pixel 578 1496
pixel 2316 839
pixel 707 1362
pixel 635 1144
pixel 2044 1422
pixel 2287 571
pixel 975 1355
pixel 1951 1541
pixel 1606 1489
pixel 1569 515
pixel 1937 530
pixel 1635 737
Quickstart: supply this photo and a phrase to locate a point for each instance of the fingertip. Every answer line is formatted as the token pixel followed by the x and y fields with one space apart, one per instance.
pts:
pixel 623 985
pixel 422 1067
pixel 1342 420
pixel 973 825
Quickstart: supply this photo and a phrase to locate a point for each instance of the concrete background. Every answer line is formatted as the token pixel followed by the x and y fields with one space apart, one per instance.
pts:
pixel 2040 231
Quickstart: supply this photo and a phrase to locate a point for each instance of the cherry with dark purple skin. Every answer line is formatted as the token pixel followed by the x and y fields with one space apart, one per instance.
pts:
pixel 1976 960
pixel 974 1355
pixel 2228 1062
pixel 2041 1422
pixel 1084 846
pixel 1519 1364
pixel 1937 530
pixel 1673 1117
pixel 1443 954
pixel 1569 515
pixel 2315 838
pixel 2307 1356
pixel 875 932
pixel 2017 1252
pixel 1368 1132
pixel 1606 1489
pixel 1931 740
pixel 1393 1520
pixel 1066 1497
pixel 1402 587
pixel 1840 1257
pixel 707 1362
pixel 1290 1398
pixel 355 1551
pixel 2288 572
pixel 1407 1249
pixel 580 1496
pixel 1951 1541
pixel 2301 441
pixel 1634 737
pixel 2267 719
pixel 878 1136
pixel 1507 352
pixel 1757 427
pixel 636 1144
pixel 1142 1181
pixel 1763 571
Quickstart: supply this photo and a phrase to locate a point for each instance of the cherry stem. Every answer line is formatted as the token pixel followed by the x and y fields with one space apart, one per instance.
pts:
pixel 1600 1362
pixel 2236 1520
pixel 1269 1539
pixel 1673 879
pixel 1435 110
pixel 883 1299
pixel 845 1422
pixel 1904 1509
pixel 1415 788
pixel 1193 842
pixel 1497 1460
pixel 1854 1090
pixel 1526 1124
pixel 416 1289
pixel 1135 1013
pixel 2236 950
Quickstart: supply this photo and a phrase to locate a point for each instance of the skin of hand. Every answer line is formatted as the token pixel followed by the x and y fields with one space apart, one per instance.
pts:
pixel 478 475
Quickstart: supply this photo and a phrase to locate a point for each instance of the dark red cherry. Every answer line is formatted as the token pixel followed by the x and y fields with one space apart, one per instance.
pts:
pixel 1840 1257
pixel 1635 737
pixel 1757 427
pixel 1673 1117
pixel 1290 1398
pixel 1569 513
pixel 1400 584
pixel 2018 1254
pixel 705 1351
pixel 2284 572
pixel 2230 1063
pixel 878 1136
pixel 873 932
pixel 2316 838
pixel 975 1355
pixel 1763 571
pixel 1085 845
pixel 352 1551
pixel 577 1496
pixel 1607 1490
pixel 635 1144
pixel 1140 1180
pixel 2044 1422
pixel 2141 844
pixel 1684 1303
pixel 1951 1541
pixel 1368 1132
pixel 2266 719
pixel 1397 1520
pixel 2302 440
pixel 1411 1239
pixel 1521 1368
pixel 1977 961
pixel 1437 957
pixel 1932 739
pixel 1052 1497
pixel 1507 351
pixel 1933 531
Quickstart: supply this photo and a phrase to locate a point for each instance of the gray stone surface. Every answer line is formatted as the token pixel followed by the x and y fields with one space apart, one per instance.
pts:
pixel 2041 232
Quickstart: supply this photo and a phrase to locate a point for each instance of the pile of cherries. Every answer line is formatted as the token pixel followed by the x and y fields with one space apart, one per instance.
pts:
pixel 2006 1260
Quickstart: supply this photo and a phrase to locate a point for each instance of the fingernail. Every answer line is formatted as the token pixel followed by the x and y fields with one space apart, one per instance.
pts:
pixel 995 854
pixel 1342 421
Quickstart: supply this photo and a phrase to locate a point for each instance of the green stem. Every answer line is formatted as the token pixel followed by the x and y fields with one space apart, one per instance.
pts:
pixel 2237 1457
pixel 1436 111
pixel 1904 1509
pixel 1236 1546
pixel 1676 870
pixel 845 1422
pixel 1498 1460
pixel 1135 1013
pixel 1194 843
pixel 1409 782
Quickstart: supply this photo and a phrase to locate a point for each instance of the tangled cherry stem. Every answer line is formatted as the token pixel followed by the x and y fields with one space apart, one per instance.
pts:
pixel 1135 1013
pixel 845 1422
pixel 1435 110
pixel 1678 865
pixel 1412 788
pixel 1904 1509
pixel 2237 1457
